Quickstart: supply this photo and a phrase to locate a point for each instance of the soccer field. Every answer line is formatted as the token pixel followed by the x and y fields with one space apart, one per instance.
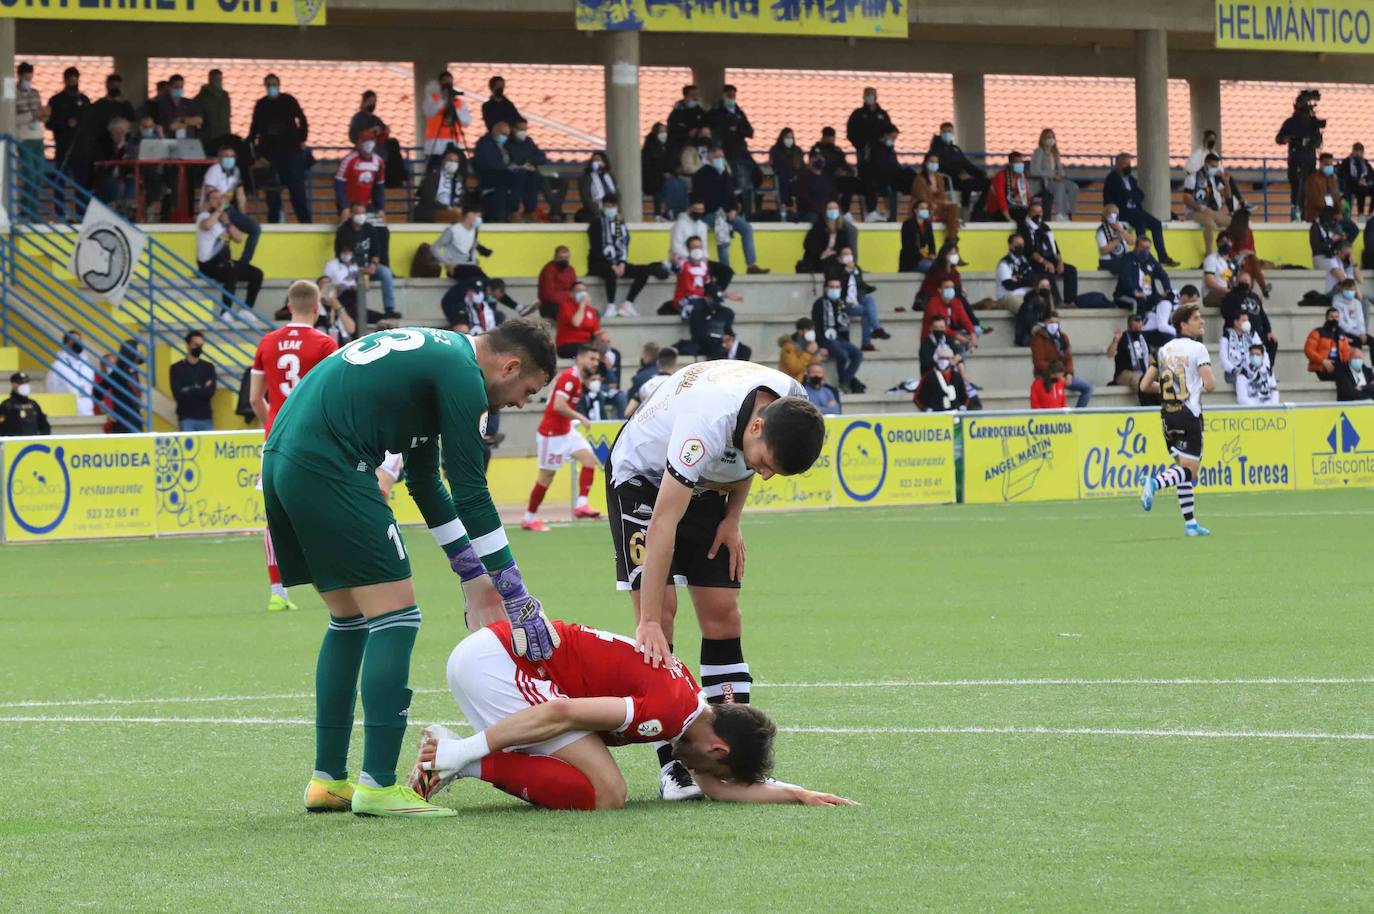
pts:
pixel 1051 707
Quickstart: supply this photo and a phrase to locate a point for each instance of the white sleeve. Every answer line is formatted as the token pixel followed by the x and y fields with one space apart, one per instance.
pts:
pixel 432 103
pixel 58 382
pixel 1224 353
pixel 464 116
pixel 392 465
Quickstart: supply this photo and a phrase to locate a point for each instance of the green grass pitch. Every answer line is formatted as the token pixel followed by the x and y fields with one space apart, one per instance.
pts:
pixel 1058 707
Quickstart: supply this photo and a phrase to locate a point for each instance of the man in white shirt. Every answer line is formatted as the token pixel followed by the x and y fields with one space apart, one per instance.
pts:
pixel 73 372
pixel 1198 158
pixel 225 177
pixel 457 247
pixel 214 231
pixel 1255 381
pixel 1218 273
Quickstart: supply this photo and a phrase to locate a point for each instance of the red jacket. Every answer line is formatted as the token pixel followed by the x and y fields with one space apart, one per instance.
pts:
pixel 555 285
pixel 566 334
pixel 953 311
pixel 1047 399
pixel 998 198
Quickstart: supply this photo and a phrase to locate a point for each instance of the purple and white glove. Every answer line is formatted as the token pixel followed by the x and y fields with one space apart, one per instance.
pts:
pixel 467 564
pixel 530 632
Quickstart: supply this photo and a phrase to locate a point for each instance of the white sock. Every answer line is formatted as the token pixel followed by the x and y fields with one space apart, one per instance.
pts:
pixel 457 754
pixel 581 501
pixel 472 769
pixel 366 780
pixel 279 591
pixel 530 518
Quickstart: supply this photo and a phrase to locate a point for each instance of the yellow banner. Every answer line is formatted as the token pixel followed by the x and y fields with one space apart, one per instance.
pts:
pixel 1020 458
pixel 1325 26
pixel 860 18
pixel 209 12
pixel 208 482
pixel 892 460
pixel 1118 452
pixel 78 488
pixel 1334 447
pixel 1247 451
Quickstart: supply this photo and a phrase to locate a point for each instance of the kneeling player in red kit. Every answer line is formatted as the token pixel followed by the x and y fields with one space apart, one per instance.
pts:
pixel 543 727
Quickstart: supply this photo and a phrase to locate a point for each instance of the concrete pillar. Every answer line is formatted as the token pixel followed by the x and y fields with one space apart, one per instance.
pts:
pixel 622 120
pixel 134 70
pixel 427 70
pixel 970 130
pixel 7 65
pixel 709 80
pixel 1204 105
pixel 1152 119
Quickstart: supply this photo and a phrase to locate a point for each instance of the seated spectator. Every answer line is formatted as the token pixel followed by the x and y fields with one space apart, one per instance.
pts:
pixel 115 186
pixel 1158 327
pixel 714 186
pixel 1048 180
pixel 732 348
pixel 1356 180
pixel 931 342
pixel 73 372
pixel 214 232
pixel 1130 354
pixel 842 174
pixel 831 319
pixel 440 197
pixel 1255 381
pixel 495 172
pixel 1234 347
pixel 1343 268
pixel 1115 241
pixel 918 240
pixel 556 281
pixel 595 183
pixel 813 188
pixel 1321 190
pixel 1351 305
pixel 659 162
pixel 800 350
pixel 787 162
pixel 827 235
pixel 192 382
pixel 1217 272
pixel 947 304
pixel 370 243
pixel 695 282
pixel 946 267
pixel 226 177
pixel 1037 303
pixel 858 297
pixel 342 273
pixel 1043 252
pixel 1354 379
pixel 1325 238
pixel 528 179
pixel 935 191
pixel 1050 343
pixel 968 179
pixel 647 367
pixel 661 367
pixel 1142 282
pixel 692 224
pixel 1015 277
pixel 822 396
pixel 943 388
pixel 730 128
pixel 334 319
pixel 1047 390
pixel 1122 190
pixel 497 295
pixel 1327 346
pixel 1009 194
pixel 478 315
pixel 179 116
pixel 607 258
pixel 1213 199
pixel 694 154
pixel 708 321
pixel 577 323
pixel 1242 299
pixel 1198 158
pixel 457 247
pixel 1243 250
pixel 883 175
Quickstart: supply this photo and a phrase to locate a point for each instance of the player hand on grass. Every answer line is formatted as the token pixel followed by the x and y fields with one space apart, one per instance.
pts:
pixel 530 632
pixel 652 643
pixel 816 798
pixel 728 535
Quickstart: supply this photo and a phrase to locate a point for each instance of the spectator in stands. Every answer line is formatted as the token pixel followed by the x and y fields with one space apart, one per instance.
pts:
pixel 787 162
pixel 1047 390
pixel 1015 276
pixel 943 389
pixel 179 116
pixel 369 242
pixel 814 187
pixel 660 366
pixel 1197 159
pixel 1038 302
pixel 1233 348
pixel 365 119
pixel 440 198
pixel 714 187
pixel 709 321
pixel 113 104
pixel 823 241
pixel 1324 238
pixel 932 341
pixel 608 258
pixel 1302 132
pixel 1255 381
pixel 214 232
pixel 226 177
pixel 20 414
pixel 692 224
pixel 693 281
pixel 1009 195
pixel 732 348
pixel 799 350
pixel 1321 190
pixel 1342 268
pixel 497 108
pixel 499 295
pixel 495 172
pixel 1356 180
pixel 883 175
pixel 73 372
pixel 1354 378
pixel 945 268
pixel 1218 270
pixel 1212 200
pixel 686 118
pixel 831 318
pixel 661 180
pixel 116 185
pixel 694 153
pixel 647 368
pixel 66 113
pixel 482 316
pixel 1115 241
pixel 458 302
pixel 526 159
pixel 837 166
pixel 1327 346
pixel 918 239
pixel 29 116
pixel 1043 252
pixel 1048 181
pixel 968 179
pixel 1242 299
pixel 1122 190
pixel 334 318
pixel 867 126
pixel 933 189
pixel 458 248
pixel 1050 343
pixel 361 178
pixel 1142 282
pixel 215 108
pixel 1350 304
pixel 731 130
pixel 193 383
pixel 279 132
pixel 445 117
pixel 1243 251
pixel 614 399
pixel 150 106
pixel 858 297
pixel 1130 354
pixel 947 304
pixel 823 396
pixel 556 281
pixel 578 322
pixel 596 182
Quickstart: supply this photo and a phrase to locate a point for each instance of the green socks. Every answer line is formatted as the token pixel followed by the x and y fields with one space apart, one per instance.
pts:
pixel 386 696
pixel 336 692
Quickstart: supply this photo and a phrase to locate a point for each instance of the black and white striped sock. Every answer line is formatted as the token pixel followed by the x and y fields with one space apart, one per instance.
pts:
pixel 725 676
pixel 1173 476
pixel 1185 500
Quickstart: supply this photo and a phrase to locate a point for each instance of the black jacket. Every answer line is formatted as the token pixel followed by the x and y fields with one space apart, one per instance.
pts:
pixel 835 159
pixel 22 416
pixel 715 189
pixel 952 158
pixel 1348 387
pixel 813 245
pixel 1244 301
pixel 190 390
pixel 608 242
pixel 1115 190
pixel 1322 239
pixel 1126 348
pixel 500 109
pixel 837 271
pixel 65 107
pixel 1039 240
pixel 866 126
pixel 930 395
pixel 367 241
pixel 278 124
pixel 916 236
pixel 743 353
pixel 829 315
pixel 932 342
pixel 682 121
pixel 731 130
pixel 655 161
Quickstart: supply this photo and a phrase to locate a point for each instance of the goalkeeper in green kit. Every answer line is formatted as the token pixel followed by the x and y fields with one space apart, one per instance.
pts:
pixel 419 392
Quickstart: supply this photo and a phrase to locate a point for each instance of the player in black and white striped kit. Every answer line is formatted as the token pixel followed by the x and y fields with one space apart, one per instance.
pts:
pixel 1182 371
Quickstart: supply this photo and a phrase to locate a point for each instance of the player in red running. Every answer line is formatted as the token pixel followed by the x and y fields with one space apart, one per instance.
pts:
pixel 543 727
pixel 284 357
pixel 557 440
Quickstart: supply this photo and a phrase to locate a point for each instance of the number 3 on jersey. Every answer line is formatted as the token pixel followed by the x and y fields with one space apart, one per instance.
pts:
pixel 290 367
pixel 377 346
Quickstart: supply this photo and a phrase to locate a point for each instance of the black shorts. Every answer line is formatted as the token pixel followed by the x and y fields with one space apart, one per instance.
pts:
pixel 630 505
pixel 1183 434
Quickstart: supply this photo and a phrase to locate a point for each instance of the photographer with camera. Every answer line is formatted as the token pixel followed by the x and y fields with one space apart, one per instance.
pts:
pixel 1303 134
pixel 445 117
pixel 214 231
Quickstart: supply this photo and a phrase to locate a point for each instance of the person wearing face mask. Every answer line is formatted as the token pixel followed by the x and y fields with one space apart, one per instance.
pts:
pixel 1321 189
pixel 714 186
pixel 342 272
pixel 226 177
pixel 1244 299
pixel 20 414
pixel 179 116
pixel 686 118
pixel 1324 239
pixel 1050 343
pixel 660 365
pixel 193 385
pixel 1048 180
pixel 1213 199
pixel 72 154
pixel 1198 157
pixel 884 175
pixel 658 166
pixel 365 119
pixel 577 322
pixel 440 197
pixel 968 179
pixel 1354 377
pixel 216 108
pixel 1123 190
pixel 730 128
pixel 1218 272
pixel 361 177
pixel 114 104
pixel 946 267
pixel 1350 306
pixel 799 350
pixel 1015 278
pixel 596 181
pixel 836 166
pixel 831 319
pixel 1130 354
pixel 690 224
pixel 823 241
pixel 556 281
pixel 370 243
pixel 445 115
pixel 1142 281
pixel 858 297
pixel 1043 251
pixel 1009 194
pixel 1327 346
pixel 1047 390
pixel 931 343
pixel 943 389
pixel 497 107
pixel 866 126
pixel 917 253
pixel 279 132
pixel 526 160
pixel 1343 267
pixel 948 304
pixel 29 116
pixel 608 255
pixel 1357 180
pixel 822 396
pixel 73 372
pixel 788 163
pixel 1255 381
pixel 1234 347
pixel 693 281
pixel 933 189
pixel 1115 241
pixel 495 172
pixel 813 188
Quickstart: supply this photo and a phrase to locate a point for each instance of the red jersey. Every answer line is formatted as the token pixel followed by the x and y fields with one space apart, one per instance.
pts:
pixel 569 385
pixel 360 174
pixel 566 334
pixel 659 703
pixel 284 357
pixel 692 277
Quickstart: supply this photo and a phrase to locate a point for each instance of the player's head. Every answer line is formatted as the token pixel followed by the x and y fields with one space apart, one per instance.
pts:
pixel 517 359
pixel 732 742
pixel 1187 320
pixel 588 358
pixel 303 301
pixel 784 438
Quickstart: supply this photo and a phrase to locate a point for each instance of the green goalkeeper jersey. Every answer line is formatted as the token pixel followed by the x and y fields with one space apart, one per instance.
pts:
pixel 413 391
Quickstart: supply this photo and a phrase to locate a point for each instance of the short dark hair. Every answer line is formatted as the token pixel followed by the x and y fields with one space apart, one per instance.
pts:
pixel 749 734
pixel 1189 289
pixel 610 198
pixel 794 431
pixel 585 348
pixel 1213 157
pixel 471 206
pixel 805 323
pixel 215 71
pixel 492 82
pixel 666 358
pixel 528 339
pixel 193 334
pixel 727 88
pixel 25 68
pixel 687 89
pixel 71 71
pixel 827 131
pixel 1182 314
pixel 171 79
pixel 271 76
pixel 497 283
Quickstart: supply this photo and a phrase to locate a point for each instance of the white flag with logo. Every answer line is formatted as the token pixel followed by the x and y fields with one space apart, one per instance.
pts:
pixel 105 253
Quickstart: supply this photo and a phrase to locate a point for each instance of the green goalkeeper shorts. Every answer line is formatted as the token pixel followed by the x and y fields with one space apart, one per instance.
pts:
pixel 330 533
